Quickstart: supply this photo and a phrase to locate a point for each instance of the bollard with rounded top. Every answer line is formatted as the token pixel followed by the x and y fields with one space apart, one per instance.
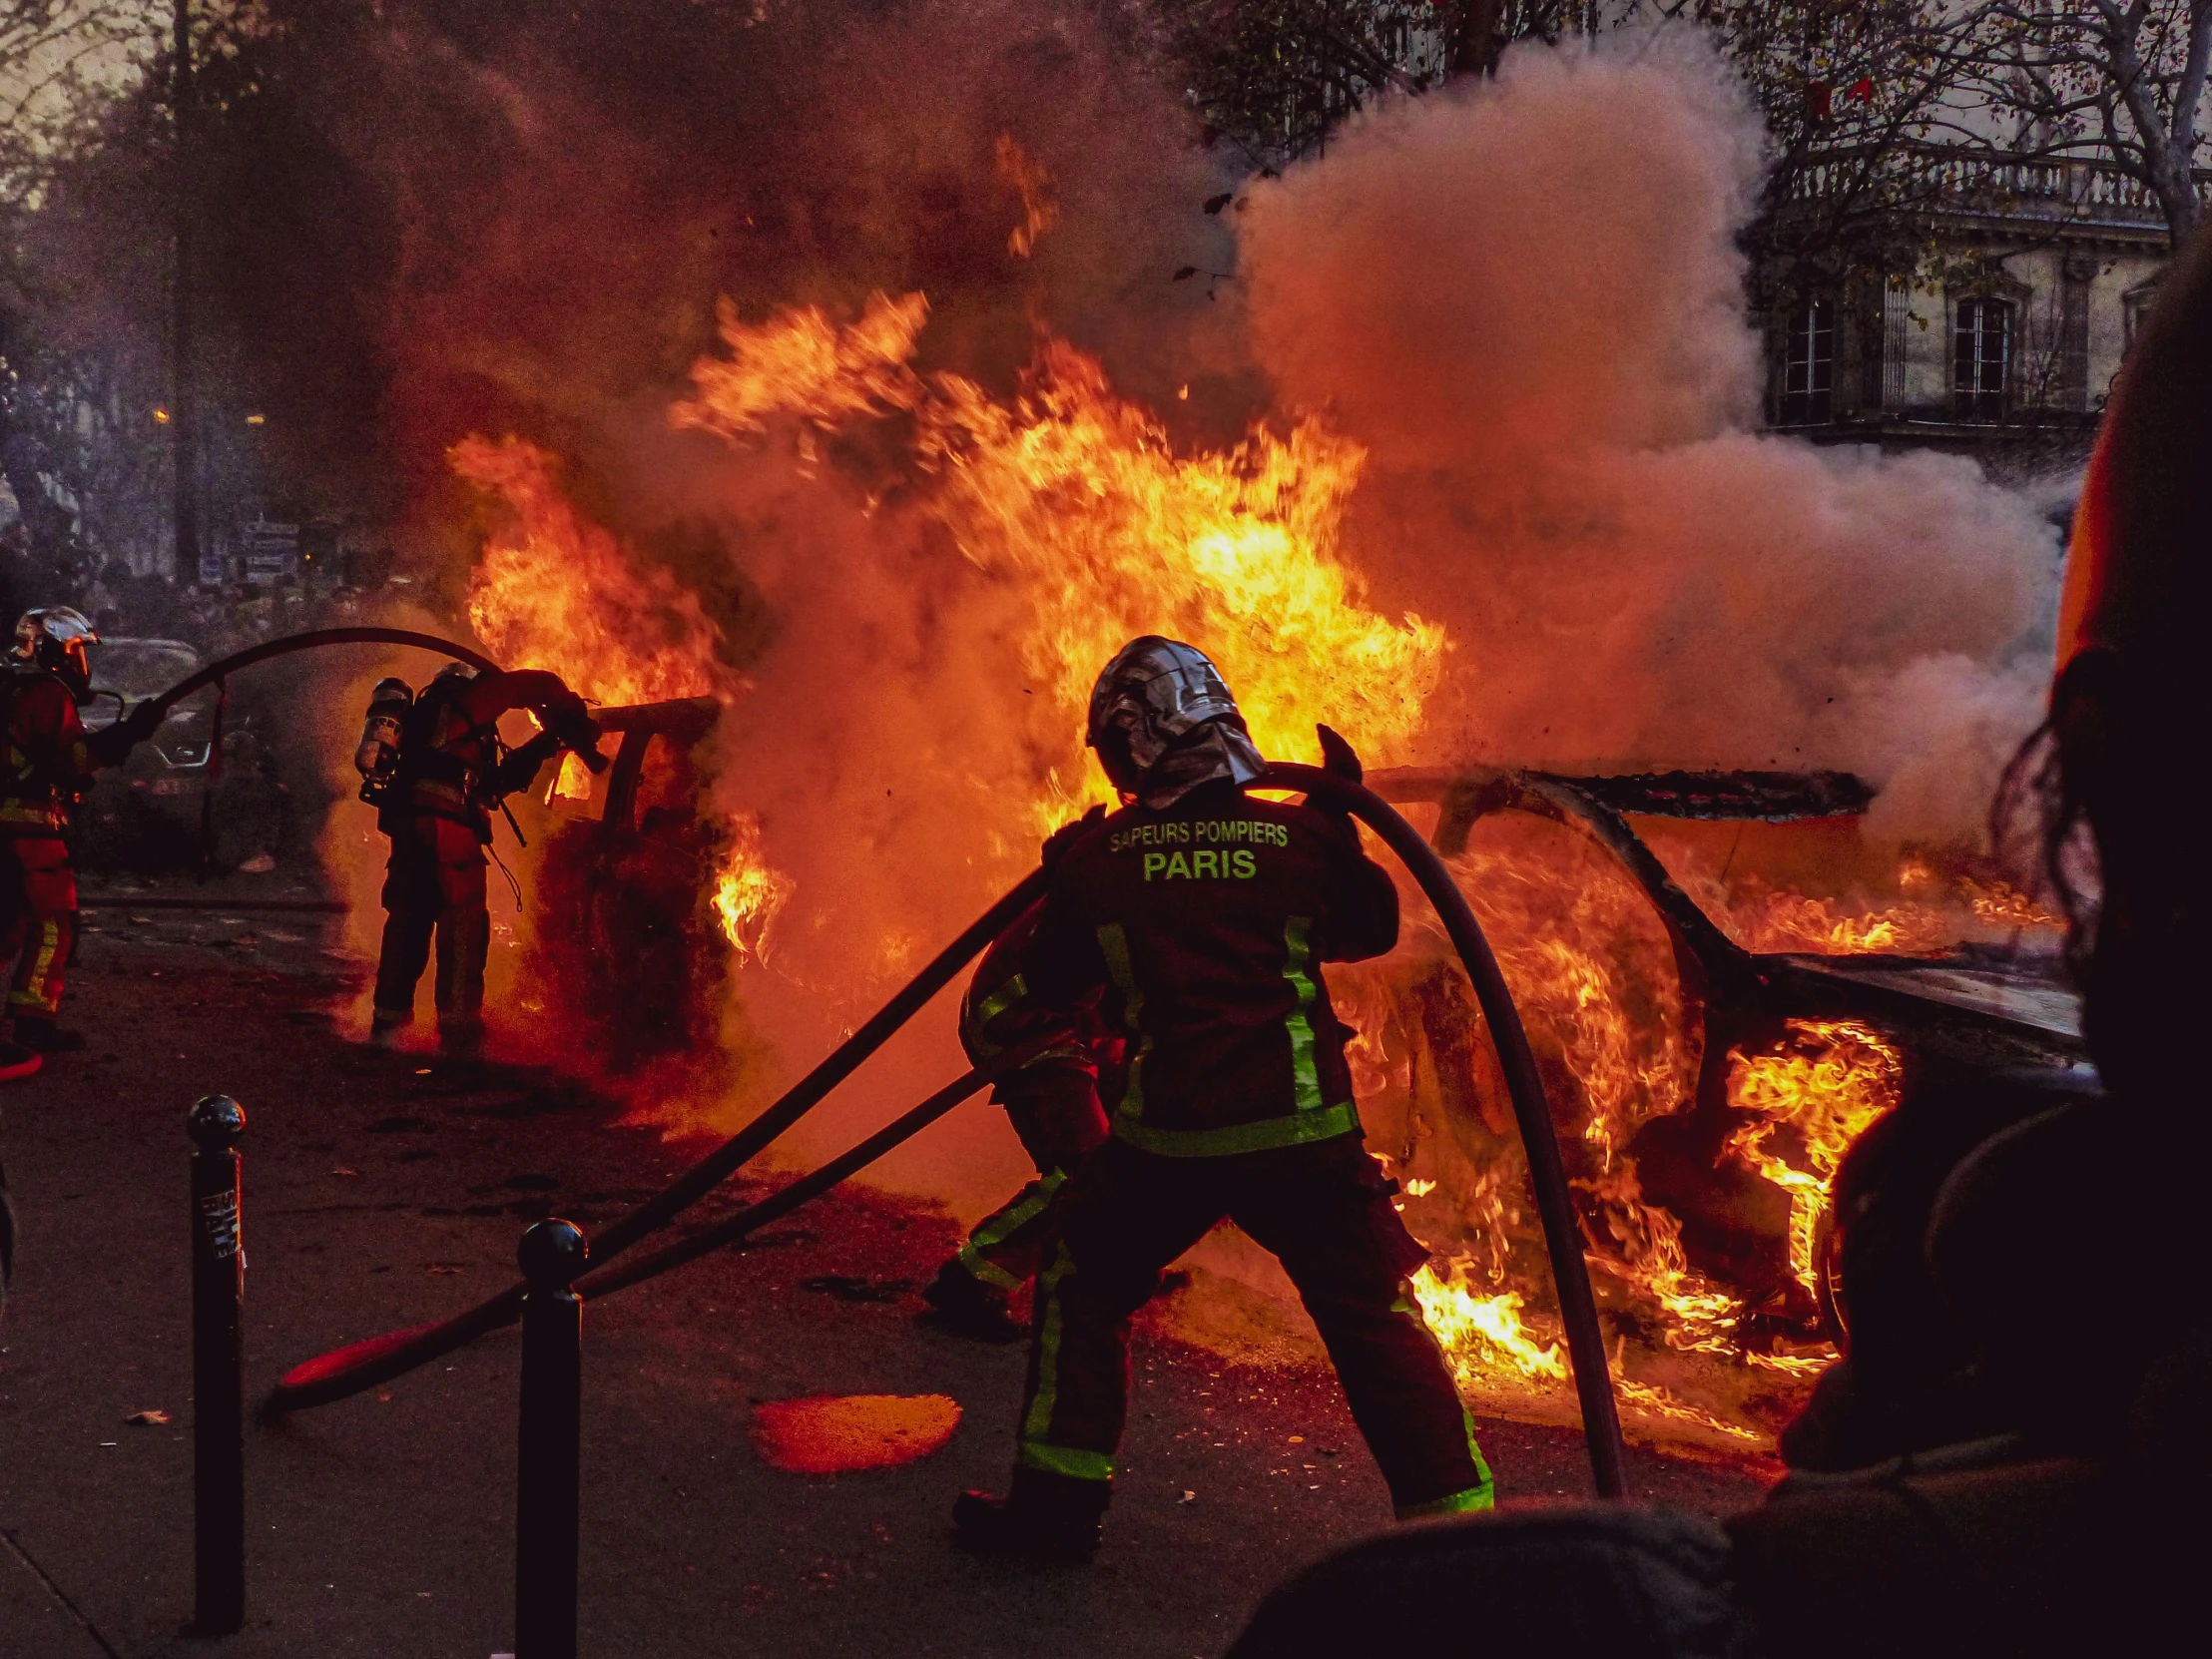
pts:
pixel 218 1362
pixel 553 1254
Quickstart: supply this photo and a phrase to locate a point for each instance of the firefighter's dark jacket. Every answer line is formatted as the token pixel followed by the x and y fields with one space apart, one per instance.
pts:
pixel 1201 930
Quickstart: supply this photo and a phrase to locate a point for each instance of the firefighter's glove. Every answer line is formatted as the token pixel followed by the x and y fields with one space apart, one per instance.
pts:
pixel 575 731
pixel 1339 761
pixel 520 769
pixel 1065 836
pixel 1336 757
pixel 110 747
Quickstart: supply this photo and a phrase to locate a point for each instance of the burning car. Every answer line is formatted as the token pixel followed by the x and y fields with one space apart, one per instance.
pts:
pixel 625 873
pixel 1710 1064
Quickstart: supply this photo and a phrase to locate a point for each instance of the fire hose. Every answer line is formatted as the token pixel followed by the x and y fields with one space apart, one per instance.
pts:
pixel 217 674
pixel 1547 1173
pixel 347 1370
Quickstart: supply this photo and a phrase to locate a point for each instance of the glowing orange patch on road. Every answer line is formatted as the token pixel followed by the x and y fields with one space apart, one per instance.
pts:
pixel 830 1434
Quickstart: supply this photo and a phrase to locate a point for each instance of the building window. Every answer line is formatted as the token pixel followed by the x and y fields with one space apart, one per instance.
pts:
pixel 1808 363
pixel 2136 310
pixel 1981 359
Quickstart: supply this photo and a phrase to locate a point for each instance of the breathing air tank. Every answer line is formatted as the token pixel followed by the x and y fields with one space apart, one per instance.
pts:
pixel 377 759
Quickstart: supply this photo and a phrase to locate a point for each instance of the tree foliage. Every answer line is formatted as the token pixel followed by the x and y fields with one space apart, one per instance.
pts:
pixel 2123 80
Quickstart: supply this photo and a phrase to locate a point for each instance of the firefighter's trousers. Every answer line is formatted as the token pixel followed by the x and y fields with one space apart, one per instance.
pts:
pixel 435 884
pixel 38 921
pixel 1054 1108
pixel 1323 1210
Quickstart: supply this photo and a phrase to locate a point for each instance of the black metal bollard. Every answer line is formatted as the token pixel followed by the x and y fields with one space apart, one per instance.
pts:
pixel 547 1476
pixel 218 1360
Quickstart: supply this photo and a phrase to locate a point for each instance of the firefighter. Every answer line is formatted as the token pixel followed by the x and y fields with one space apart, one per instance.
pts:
pixel 1052 1102
pixel 49 758
pixel 1197 918
pixel 433 767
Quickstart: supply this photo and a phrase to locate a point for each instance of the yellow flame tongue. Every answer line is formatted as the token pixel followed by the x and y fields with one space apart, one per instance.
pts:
pixel 1080 499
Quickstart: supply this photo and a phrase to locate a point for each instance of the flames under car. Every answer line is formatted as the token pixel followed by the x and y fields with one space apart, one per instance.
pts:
pixel 1932 1016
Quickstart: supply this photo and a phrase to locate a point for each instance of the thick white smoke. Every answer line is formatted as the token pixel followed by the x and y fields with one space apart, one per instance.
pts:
pixel 1526 298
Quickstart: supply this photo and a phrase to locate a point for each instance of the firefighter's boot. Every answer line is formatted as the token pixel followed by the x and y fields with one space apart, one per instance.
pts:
pixel 38 1033
pixel 388 1025
pixel 1043 1517
pixel 965 1306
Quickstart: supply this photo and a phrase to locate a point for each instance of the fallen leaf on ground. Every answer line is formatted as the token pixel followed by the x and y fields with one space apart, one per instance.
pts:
pixel 147 1419
pixel 345 1170
pixel 829 1433
pixel 259 864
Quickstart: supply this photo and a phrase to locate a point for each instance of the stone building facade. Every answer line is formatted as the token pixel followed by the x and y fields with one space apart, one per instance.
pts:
pixel 2034 276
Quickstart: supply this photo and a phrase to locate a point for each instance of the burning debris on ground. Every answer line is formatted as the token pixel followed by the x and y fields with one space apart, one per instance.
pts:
pixel 790 425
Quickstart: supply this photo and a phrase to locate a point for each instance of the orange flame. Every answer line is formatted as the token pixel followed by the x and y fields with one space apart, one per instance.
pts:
pixel 1110 532
pixel 1591 972
pixel 1791 922
pixel 553 589
pixel 803 364
pixel 1483 1334
pixel 2000 905
pixel 1033 185
pixel 573 781
pixel 749 893
pixel 1819 1092
pixel 1934 913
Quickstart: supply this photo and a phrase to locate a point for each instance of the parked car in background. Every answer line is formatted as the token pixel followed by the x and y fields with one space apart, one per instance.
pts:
pixel 176 800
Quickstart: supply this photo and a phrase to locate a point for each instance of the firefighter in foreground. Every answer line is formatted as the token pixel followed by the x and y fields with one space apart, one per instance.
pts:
pixel 50 756
pixel 1197 917
pixel 434 768
pixel 1052 1102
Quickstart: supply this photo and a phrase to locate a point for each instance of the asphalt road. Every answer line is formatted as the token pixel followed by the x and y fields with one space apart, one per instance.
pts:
pixel 382 1190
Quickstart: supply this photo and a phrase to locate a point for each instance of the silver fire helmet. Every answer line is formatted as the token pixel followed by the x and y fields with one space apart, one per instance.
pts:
pixel 1163 722
pixel 60 638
